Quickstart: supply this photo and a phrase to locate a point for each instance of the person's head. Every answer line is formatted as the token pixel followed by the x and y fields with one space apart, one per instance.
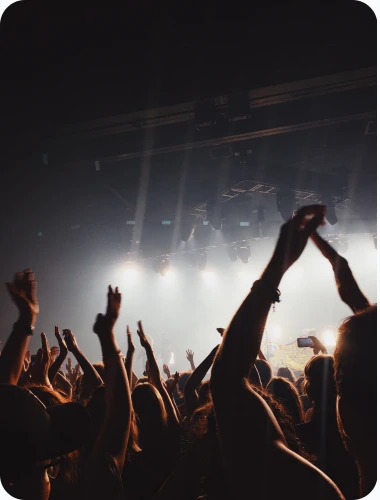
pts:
pixel 286 394
pixel 35 439
pixel 355 377
pixel 150 413
pixel 319 382
pixel 99 367
pixel 265 371
pixel 300 385
pixel 287 373
pixel 183 378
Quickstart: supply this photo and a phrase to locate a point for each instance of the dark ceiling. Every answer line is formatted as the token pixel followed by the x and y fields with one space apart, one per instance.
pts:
pixel 66 73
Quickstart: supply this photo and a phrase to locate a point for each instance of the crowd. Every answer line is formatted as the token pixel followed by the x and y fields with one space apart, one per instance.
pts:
pixel 97 431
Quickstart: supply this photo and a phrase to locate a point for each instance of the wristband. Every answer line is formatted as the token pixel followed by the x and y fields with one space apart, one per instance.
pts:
pixel 27 329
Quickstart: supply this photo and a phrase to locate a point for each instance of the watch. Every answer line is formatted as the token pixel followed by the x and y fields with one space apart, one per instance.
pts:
pixel 27 329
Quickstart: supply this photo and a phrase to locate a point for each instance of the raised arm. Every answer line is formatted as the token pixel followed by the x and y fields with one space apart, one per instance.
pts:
pixel 250 437
pixel 155 376
pixel 129 357
pixel 113 438
pixel 190 358
pixel 194 381
pixel 348 289
pixel 55 367
pixel 93 378
pixel 23 293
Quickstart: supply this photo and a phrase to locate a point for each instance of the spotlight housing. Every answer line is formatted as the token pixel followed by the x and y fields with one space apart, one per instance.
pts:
pixel 214 214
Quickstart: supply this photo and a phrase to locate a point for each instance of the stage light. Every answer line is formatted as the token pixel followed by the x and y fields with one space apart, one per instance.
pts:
pixel 286 203
pixel 202 259
pixel 244 251
pixel 130 273
pixel 209 277
pixel 161 265
pixel 214 214
pixel 329 338
pixel 233 253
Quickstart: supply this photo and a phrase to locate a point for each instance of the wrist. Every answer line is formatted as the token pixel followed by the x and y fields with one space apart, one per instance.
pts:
pixel 27 319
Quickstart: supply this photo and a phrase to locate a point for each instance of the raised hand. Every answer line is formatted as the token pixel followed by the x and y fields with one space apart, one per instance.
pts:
pixel 190 358
pixel 294 235
pixel 317 345
pixel 23 291
pixel 70 340
pixel 40 370
pixel 62 344
pixel 143 338
pixel 54 351
pixel 105 322
pixel 166 370
pixel 27 360
pixel 131 347
pixel 189 355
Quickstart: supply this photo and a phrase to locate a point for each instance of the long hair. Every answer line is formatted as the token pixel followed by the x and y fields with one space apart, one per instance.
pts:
pixel 151 416
pixel 285 392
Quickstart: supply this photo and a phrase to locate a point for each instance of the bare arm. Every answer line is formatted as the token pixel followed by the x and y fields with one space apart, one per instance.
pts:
pixel 23 293
pixel 348 289
pixel 129 357
pixel 55 367
pixel 92 376
pixel 113 438
pixel 195 379
pixel 256 432
pixel 155 376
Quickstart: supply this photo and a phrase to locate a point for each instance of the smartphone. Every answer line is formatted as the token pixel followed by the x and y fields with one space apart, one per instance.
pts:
pixel 305 342
pixel 33 359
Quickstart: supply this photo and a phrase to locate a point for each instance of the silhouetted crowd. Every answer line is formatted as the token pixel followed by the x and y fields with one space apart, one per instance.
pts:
pixel 97 431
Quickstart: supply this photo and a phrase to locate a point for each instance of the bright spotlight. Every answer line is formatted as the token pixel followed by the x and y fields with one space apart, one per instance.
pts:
pixel 276 331
pixel 209 276
pixel 329 338
pixel 169 275
pixel 130 273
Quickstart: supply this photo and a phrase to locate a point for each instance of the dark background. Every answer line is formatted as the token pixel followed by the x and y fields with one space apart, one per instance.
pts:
pixel 65 66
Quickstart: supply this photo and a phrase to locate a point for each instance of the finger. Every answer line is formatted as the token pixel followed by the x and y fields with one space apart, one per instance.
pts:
pixel 57 332
pixel 45 344
pixel 140 325
pixel 128 330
